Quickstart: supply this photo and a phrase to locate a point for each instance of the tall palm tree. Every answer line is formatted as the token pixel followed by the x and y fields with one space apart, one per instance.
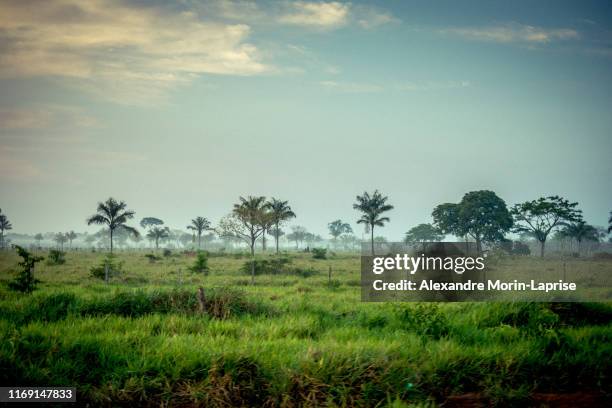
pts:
pixel 610 223
pixel 5 225
pixel 71 236
pixel 280 211
pixel 199 225
pixel 372 206
pixel 114 215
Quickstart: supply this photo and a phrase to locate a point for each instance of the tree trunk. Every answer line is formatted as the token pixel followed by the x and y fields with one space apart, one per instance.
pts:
pixel 276 237
pixel 200 240
pixel 111 239
pixel 263 241
pixel 372 235
pixel 478 246
pixel 252 261
pixel 542 244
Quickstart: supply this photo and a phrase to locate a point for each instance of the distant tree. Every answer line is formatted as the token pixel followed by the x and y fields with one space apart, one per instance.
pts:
pixel 71 236
pixel 266 222
pixel 372 207
pixel 423 233
pixel 610 223
pixel 298 233
pixel 280 212
pixel 199 225
pixel 38 238
pixel 580 231
pixel 5 225
pixel 114 215
pixel 339 227
pixel 543 215
pixel 481 215
pixel 311 238
pixel 90 239
pixel 249 213
pixel 148 222
pixel 276 234
pixel 348 241
pixel 60 239
pixel 158 233
pixel 186 239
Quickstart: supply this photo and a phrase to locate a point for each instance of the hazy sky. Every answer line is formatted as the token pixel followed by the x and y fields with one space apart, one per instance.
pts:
pixel 180 108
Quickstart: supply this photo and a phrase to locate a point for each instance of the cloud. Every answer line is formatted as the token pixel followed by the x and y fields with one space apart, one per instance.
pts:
pixel 45 117
pixel 351 87
pixel 315 14
pixel 432 85
pixel 119 51
pixel 514 33
pixel 13 168
pixel 370 18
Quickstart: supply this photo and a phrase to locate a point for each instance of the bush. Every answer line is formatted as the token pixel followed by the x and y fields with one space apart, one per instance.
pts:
pixel 152 258
pixel 520 248
pixel 201 263
pixel 114 268
pixel 25 281
pixel 56 257
pixel 167 253
pixel 319 253
pixel 270 266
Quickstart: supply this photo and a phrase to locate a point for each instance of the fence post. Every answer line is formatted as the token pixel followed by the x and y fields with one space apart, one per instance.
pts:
pixel 329 274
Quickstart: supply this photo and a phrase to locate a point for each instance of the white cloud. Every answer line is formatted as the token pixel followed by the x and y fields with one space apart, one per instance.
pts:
pixel 370 18
pixel 315 14
pixel 432 85
pixel 351 87
pixel 514 33
pixel 118 50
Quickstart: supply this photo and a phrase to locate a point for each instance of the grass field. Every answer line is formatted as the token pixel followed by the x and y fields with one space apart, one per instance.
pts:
pixel 293 339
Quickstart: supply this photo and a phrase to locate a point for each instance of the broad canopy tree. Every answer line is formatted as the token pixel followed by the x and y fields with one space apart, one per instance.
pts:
pixel 372 207
pixel 113 215
pixel 423 233
pixel 540 217
pixel 580 231
pixel 339 227
pixel 157 234
pixel 481 215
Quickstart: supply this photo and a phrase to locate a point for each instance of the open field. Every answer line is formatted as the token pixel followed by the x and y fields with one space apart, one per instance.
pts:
pixel 291 339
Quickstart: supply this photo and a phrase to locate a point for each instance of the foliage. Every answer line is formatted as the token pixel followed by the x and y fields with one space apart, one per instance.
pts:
pixel 5 225
pixel 201 263
pixel 297 235
pixel 339 227
pixel 114 267
pixel 319 253
pixel 372 207
pixel 199 225
pixel 539 217
pixel 423 233
pixel 25 282
pixel 279 211
pixel 114 215
pixel 167 252
pixel 148 222
pixel 157 233
pixel 56 257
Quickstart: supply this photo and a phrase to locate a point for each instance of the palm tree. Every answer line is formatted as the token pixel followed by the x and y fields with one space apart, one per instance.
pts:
pixel 38 237
pixel 280 211
pixel 157 233
pixel 199 225
pixel 610 223
pixel 5 225
pixel 71 235
pixel 581 231
pixel 114 215
pixel 372 207
pixel 61 240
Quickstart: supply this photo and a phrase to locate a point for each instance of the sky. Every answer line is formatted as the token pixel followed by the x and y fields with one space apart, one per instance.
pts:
pixel 178 108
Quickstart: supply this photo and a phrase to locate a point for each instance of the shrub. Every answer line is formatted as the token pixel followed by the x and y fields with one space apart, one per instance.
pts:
pixel 319 253
pixel 25 281
pixel 271 266
pixel 201 263
pixel 167 253
pixel 114 268
pixel 56 257
pixel 521 248
pixel 152 258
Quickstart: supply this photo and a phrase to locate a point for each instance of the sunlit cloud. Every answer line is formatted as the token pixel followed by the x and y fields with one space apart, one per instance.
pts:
pixel 514 33
pixel 45 117
pixel 113 47
pixel 315 14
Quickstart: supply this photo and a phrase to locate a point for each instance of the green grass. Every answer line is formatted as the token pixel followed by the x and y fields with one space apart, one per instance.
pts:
pixel 292 339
